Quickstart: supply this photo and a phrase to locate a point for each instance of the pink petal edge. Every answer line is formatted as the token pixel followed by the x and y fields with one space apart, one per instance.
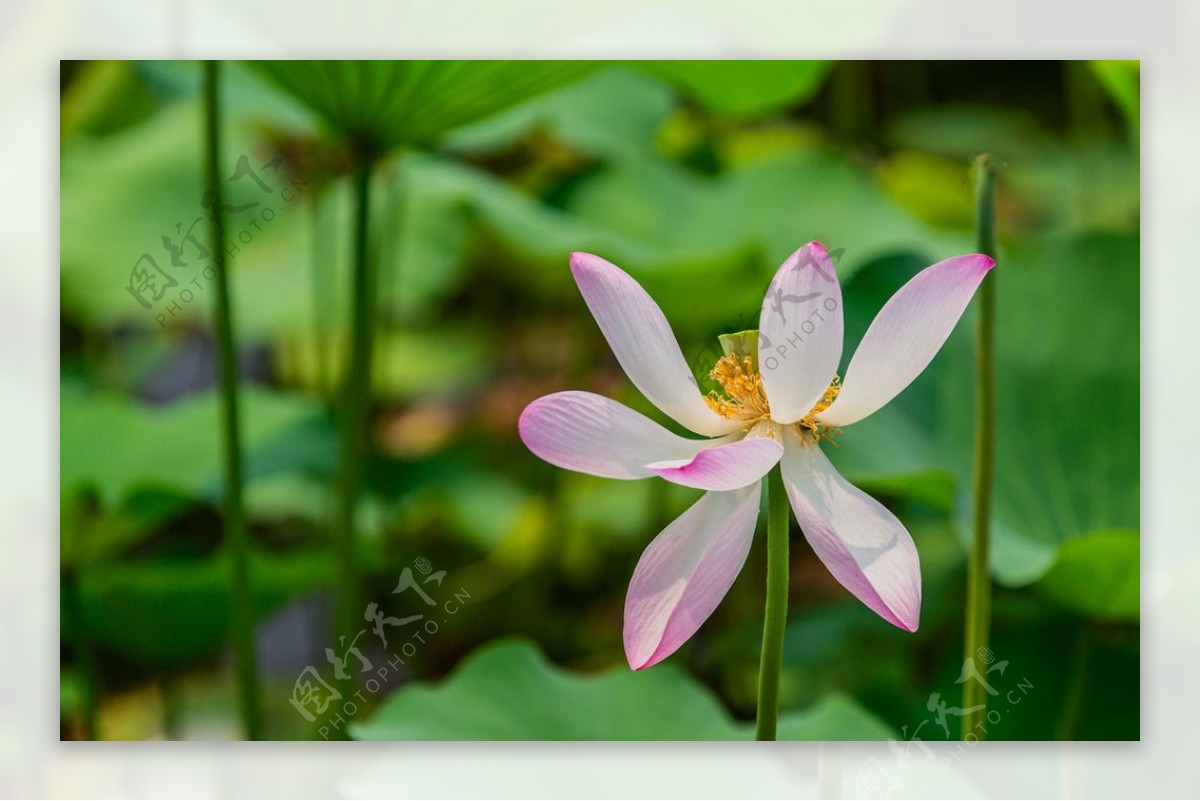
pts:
pixel 905 336
pixel 723 467
pixel 645 346
pixel 861 543
pixel 685 572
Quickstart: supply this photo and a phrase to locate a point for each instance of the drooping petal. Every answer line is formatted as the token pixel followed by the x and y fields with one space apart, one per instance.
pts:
pixel 685 572
pixel 862 544
pixel 593 434
pixel 800 333
pixel 642 340
pixel 905 336
pixel 723 467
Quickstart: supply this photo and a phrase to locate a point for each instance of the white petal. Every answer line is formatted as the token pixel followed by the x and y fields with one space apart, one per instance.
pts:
pixel 905 336
pixel 685 572
pixel 800 333
pixel 593 434
pixel 862 544
pixel 642 340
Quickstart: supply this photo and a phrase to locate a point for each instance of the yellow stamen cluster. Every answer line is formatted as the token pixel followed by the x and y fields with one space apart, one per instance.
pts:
pixel 742 398
pixel 809 425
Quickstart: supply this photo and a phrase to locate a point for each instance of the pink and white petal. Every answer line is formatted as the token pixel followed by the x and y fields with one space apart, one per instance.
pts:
pixel 593 434
pixel 905 336
pixel 722 467
pixel 862 544
pixel 642 340
pixel 685 572
pixel 800 333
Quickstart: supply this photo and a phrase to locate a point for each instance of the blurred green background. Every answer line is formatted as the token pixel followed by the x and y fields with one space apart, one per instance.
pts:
pixel 696 177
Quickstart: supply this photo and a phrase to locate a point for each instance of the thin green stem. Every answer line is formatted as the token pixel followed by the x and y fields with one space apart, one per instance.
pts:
pixel 320 295
pixel 979 588
pixel 237 540
pixel 388 256
pixel 355 403
pixel 776 612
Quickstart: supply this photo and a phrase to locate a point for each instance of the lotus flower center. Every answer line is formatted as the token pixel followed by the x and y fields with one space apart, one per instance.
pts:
pixel 742 397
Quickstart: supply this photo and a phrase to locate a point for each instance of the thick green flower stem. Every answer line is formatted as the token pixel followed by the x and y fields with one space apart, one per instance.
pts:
pixel 355 399
pixel 777 603
pixel 979 586
pixel 236 538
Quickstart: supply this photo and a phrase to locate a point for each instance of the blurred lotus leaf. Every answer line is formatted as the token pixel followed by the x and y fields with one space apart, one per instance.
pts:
pixel 115 445
pixel 507 690
pixel 387 103
pixel 1098 575
pixel 168 614
pixel 744 89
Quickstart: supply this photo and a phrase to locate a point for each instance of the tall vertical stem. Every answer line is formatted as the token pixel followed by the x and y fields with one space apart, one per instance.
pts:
pixel 320 295
pixel 776 613
pixel 979 588
pixel 355 402
pixel 242 618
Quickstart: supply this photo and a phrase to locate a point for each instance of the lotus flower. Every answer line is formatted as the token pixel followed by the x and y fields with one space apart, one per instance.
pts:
pixel 780 397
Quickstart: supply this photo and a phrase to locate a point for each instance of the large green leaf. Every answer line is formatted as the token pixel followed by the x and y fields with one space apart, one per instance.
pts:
pixel 1068 442
pixel 389 103
pixel 614 114
pixel 122 196
pixel 744 88
pixel 508 691
pixel 774 205
pixel 170 613
pixel 115 445
pixel 1098 575
pixel 704 247
pixel 681 234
